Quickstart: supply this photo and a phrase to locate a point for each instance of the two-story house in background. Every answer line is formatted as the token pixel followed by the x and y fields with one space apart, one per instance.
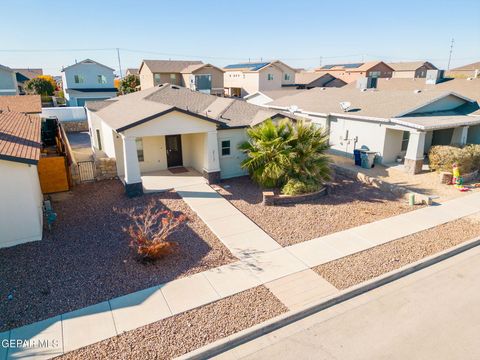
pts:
pixel 244 79
pixel 87 80
pixel 8 81
pixel 194 75
pixel 352 72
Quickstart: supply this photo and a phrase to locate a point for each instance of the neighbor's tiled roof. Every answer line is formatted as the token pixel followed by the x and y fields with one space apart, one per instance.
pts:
pixel 409 65
pixel 468 67
pixel 379 104
pixel 128 110
pixel 20 137
pixel 29 73
pixel 168 66
pixel 21 103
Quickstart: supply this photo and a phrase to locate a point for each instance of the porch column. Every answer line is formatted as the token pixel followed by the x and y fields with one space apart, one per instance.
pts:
pixel 415 149
pixel 133 180
pixel 211 169
pixel 459 136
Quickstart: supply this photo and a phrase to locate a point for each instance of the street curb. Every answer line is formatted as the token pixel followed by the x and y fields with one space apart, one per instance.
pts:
pixel 222 345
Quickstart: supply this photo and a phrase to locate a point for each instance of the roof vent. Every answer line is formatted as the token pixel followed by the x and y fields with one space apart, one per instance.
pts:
pixel 363 90
pixel 417 91
pixel 470 78
pixel 345 105
pixel 175 87
pixel 323 88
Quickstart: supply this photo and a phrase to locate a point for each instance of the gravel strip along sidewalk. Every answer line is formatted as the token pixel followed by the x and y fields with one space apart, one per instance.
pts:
pixel 350 204
pixel 365 265
pixel 185 332
pixel 86 259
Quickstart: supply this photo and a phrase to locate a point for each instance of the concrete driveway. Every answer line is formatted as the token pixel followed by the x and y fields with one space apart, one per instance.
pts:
pixel 431 314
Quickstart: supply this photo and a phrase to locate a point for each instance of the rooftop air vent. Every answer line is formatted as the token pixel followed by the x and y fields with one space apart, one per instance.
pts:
pixel 345 105
pixel 417 91
pixel 470 78
pixel 323 88
pixel 175 87
pixel 363 90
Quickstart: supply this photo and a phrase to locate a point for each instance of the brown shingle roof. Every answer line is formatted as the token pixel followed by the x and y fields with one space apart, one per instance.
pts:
pixel 20 137
pixel 29 104
pixel 29 73
pixel 168 66
pixel 410 65
pixel 468 67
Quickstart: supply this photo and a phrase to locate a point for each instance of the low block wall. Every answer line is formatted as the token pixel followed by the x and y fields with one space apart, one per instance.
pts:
pixel 105 168
pixel 269 198
pixel 71 113
pixel 382 185
pixel 75 126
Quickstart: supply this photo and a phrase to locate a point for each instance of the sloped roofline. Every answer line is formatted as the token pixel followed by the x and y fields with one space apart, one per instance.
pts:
pixel 84 61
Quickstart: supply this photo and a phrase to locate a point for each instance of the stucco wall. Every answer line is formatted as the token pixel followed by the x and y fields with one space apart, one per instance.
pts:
pixel 392 145
pixel 230 165
pixel 193 151
pixel 403 74
pixel 473 134
pixel 217 77
pixel 265 84
pixel 146 78
pixel 155 157
pixel 21 217
pixel 90 72
pixel 75 113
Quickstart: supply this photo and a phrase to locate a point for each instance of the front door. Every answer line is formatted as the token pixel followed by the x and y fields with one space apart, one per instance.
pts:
pixel 174 150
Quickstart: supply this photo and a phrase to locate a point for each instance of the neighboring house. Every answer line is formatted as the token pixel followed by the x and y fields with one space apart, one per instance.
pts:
pixel 466 71
pixel 309 80
pixel 8 81
pixel 170 126
pixel 193 75
pixel 21 216
pixel 87 80
pixel 132 71
pixel 244 79
pixel 23 75
pixel 351 72
pixel 264 97
pixel 27 104
pixel 411 69
pixel 397 124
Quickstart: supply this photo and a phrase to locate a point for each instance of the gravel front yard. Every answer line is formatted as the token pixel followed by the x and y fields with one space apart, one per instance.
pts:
pixel 350 204
pixel 86 259
pixel 356 268
pixel 185 332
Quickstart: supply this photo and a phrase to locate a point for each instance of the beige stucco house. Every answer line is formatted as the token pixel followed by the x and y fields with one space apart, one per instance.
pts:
pixel 244 79
pixel 169 126
pixel 411 69
pixel 352 72
pixel 193 75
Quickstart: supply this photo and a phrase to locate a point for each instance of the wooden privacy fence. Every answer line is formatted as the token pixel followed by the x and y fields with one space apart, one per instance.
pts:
pixel 52 171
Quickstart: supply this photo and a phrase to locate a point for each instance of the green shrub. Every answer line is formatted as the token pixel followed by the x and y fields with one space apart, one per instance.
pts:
pixel 442 158
pixel 297 187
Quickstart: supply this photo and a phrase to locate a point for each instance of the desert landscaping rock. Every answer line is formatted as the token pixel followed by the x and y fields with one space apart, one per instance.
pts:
pixel 365 265
pixel 86 259
pixel 350 204
pixel 182 333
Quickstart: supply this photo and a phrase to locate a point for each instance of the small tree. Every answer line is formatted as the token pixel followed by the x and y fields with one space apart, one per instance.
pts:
pixel 149 230
pixel 287 155
pixel 50 79
pixel 129 84
pixel 39 86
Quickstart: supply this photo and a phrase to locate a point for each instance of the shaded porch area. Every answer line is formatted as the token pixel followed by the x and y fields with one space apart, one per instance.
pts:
pixel 165 180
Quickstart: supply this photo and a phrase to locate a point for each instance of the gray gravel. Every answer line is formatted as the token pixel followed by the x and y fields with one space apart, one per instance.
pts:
pixel 86 259
pixel 350 204
pixel 359 267
pixel 183 333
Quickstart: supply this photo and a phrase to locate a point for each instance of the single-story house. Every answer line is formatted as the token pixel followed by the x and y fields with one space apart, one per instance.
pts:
pixel 169 126
pixel 411 69
pixel 21 215
pixel 466 71
pixel 398 125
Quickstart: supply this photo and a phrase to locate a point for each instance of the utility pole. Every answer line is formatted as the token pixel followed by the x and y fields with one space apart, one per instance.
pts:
pixel 450 55
pixel 320 61
pixel 119 63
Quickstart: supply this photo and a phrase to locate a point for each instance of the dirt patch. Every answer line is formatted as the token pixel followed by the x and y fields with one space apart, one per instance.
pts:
pixel 183 333
pixel 359 267
pixel 350 204
pixel 86 259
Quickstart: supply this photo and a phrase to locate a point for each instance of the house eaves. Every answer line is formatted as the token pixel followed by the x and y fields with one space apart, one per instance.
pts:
pixel 403 113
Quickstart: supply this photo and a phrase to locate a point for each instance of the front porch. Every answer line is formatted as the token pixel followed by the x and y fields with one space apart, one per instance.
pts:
pixel 165 180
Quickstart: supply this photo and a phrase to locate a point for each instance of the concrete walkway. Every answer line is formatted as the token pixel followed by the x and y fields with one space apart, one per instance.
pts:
pixel 261 261
pixel 430 314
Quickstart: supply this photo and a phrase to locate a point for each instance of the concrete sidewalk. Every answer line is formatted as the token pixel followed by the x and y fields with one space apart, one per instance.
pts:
pixel 430 314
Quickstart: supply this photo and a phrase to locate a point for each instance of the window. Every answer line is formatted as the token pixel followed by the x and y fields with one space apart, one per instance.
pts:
pixel 375 74
pixel 156 79
pixel 226 148
pixel 269 76
pixel 79 79
pixel 101 79
pixel 287 77
pixel 173 76
pixel 99 139
pixel 405 138
pixel 139 143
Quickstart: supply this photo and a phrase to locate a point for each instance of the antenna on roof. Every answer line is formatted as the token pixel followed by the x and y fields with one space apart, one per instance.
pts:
pixel 292 109
pixel 345 105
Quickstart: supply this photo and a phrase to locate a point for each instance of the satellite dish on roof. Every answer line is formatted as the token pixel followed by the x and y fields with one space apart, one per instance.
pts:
pixel 293 108
pixel 345 105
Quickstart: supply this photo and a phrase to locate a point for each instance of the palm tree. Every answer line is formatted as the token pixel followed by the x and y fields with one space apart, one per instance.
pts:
pixel 286 155
pixel 268 152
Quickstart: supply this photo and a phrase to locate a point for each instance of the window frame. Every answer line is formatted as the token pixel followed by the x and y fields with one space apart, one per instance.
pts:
pixel 224 147
pixel 101 79
pixel 405 140
pixel 155 79
pixel 140 150
pixel 269 77
pixel 287 77
pixel 79 79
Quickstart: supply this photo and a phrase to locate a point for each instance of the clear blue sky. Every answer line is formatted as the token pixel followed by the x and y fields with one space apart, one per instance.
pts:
pixel 222 32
